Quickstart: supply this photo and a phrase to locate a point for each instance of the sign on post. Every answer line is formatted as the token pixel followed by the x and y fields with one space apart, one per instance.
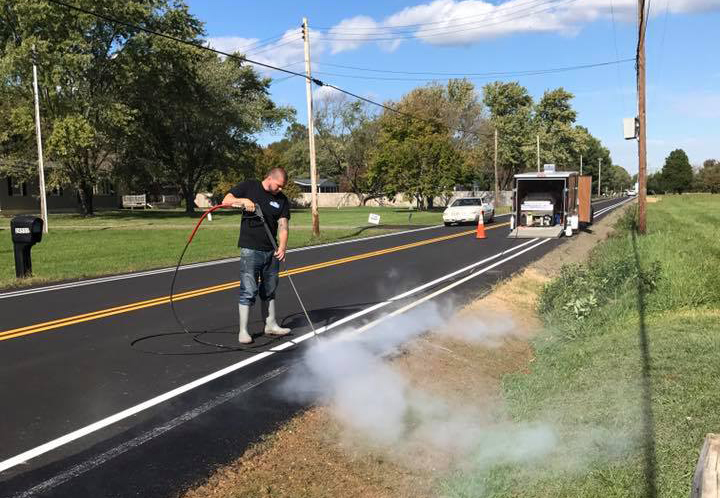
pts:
pixel 374 219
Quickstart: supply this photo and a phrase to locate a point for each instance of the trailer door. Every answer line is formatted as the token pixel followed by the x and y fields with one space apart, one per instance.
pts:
pixel 584 198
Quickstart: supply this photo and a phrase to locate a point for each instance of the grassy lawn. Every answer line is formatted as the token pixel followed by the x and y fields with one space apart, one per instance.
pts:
pixel 122 241
pixel 159 219
pixel 626 372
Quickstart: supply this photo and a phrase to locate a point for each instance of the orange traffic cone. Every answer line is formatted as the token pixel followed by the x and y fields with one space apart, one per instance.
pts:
pixel 481 227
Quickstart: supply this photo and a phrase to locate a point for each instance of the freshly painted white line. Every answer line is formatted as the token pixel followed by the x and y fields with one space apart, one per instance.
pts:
pixel 95 462
pixel 439 291
pixel 79 433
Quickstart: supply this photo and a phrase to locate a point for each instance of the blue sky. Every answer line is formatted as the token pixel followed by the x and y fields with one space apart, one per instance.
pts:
pixel 472 36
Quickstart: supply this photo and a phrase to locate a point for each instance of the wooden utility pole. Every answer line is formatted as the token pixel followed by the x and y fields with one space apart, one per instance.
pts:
pixel 497 184
pixel 642 146
pixel 599 174
pixel 311 132
pixel 538 151
pixel 581 164
pixel 38 134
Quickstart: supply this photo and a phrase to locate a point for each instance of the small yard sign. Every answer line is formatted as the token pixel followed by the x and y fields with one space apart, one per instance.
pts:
pixel 374 219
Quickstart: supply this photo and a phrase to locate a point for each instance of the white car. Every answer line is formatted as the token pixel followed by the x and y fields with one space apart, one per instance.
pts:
pixel 468 210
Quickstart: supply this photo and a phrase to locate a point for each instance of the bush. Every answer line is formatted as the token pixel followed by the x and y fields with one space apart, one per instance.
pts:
pixel 570 300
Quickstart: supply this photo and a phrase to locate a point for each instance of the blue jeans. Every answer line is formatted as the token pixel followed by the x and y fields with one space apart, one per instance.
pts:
pixel 257 266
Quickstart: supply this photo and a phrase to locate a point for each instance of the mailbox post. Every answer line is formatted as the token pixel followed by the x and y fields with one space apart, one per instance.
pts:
pixel 26 231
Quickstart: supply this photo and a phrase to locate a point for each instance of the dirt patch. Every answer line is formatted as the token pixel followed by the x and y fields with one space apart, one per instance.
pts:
pixel 314 456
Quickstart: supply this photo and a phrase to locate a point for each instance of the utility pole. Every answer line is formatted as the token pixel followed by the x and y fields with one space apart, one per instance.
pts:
pixel 538 151
pixel 311 132
pixel 580 164
pixel 38 134
pixel 642 146
pixel 599 174
pixel 497 185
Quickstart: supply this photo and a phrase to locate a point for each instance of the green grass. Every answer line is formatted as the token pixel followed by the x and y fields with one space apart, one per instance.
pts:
pixel 158 219
pixel 629 419
pixel 70 254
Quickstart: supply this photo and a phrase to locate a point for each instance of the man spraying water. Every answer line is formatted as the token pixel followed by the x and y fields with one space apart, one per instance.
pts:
pixel 259 261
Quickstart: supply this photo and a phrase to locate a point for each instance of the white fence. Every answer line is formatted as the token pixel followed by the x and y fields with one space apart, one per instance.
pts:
pixel 133 201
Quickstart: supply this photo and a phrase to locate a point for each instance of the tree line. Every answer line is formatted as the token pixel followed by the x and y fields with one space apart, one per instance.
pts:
pixel 150 113
pixel 678 176
pixel 438 137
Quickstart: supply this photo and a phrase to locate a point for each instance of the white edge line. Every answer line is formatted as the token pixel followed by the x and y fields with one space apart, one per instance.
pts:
pixel 128 412
pixel 100 424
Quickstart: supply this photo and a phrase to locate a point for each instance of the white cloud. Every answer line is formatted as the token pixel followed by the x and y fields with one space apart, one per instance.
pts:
pixel 463 22
pixel 287 51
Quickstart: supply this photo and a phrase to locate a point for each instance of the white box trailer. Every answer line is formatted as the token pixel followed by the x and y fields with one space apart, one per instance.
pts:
pixel 550 203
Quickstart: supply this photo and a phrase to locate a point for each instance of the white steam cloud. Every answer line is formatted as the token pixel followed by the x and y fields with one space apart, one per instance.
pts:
pixel 374 401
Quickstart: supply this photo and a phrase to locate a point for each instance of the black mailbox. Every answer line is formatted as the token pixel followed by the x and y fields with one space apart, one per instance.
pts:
pixel 26 231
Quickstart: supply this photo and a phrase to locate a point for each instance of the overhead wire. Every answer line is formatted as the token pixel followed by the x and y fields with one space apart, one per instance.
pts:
pixel 445 32
pixel 262 64
pixel 263 42
pixel 472 76
pixel 385 30
pixel 294 39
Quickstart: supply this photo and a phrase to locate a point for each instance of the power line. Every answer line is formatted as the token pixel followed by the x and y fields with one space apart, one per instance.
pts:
pixel 242 59
pixel 260 43
pixel 420 25
pixel 530 72
pixel 261 64
pixel 424 34
pixel 273 47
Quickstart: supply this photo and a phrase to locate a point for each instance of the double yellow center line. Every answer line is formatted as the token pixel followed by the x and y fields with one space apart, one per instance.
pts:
pixel 95 315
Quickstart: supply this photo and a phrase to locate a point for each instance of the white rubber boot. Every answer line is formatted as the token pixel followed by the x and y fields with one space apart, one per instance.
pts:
pixel 271 324
pixel 243 336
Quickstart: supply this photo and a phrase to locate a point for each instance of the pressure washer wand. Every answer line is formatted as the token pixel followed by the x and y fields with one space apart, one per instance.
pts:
pixel 259 213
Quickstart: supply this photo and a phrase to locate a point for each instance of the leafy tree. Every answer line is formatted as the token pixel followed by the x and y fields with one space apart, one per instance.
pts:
pixel 709 176
pixel 592 151
pixel 347 133
pixel 554 120
pixel 82 68
pixel 677 172
pixel 195 115
pixel 511 108
pixel 656 183
pixel 416 156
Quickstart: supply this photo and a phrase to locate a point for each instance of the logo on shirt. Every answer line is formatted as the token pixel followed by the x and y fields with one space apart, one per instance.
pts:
pixel 275 204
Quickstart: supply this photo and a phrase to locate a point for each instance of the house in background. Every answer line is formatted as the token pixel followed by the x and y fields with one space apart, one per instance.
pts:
pixel 24 197
pixel 324 185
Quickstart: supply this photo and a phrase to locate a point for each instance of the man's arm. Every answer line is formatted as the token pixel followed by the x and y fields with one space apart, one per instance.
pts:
pixel 283 230
pixel 247 204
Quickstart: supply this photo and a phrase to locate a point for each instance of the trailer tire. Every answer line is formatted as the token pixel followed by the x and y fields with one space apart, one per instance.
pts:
pixel 592 215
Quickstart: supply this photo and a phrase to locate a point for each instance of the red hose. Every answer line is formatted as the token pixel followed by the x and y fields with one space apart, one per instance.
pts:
pixel 202 218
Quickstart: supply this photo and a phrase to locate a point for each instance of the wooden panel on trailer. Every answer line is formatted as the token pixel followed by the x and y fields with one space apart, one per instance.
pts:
pixel 584 198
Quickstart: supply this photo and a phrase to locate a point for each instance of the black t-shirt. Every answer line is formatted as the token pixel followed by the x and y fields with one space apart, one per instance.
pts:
pixel 274 207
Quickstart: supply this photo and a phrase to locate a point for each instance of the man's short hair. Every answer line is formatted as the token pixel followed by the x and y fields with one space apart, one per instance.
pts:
pixel 278 172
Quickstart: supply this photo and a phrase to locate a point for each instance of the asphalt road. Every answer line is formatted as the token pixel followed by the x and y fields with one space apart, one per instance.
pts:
pixel 86 414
